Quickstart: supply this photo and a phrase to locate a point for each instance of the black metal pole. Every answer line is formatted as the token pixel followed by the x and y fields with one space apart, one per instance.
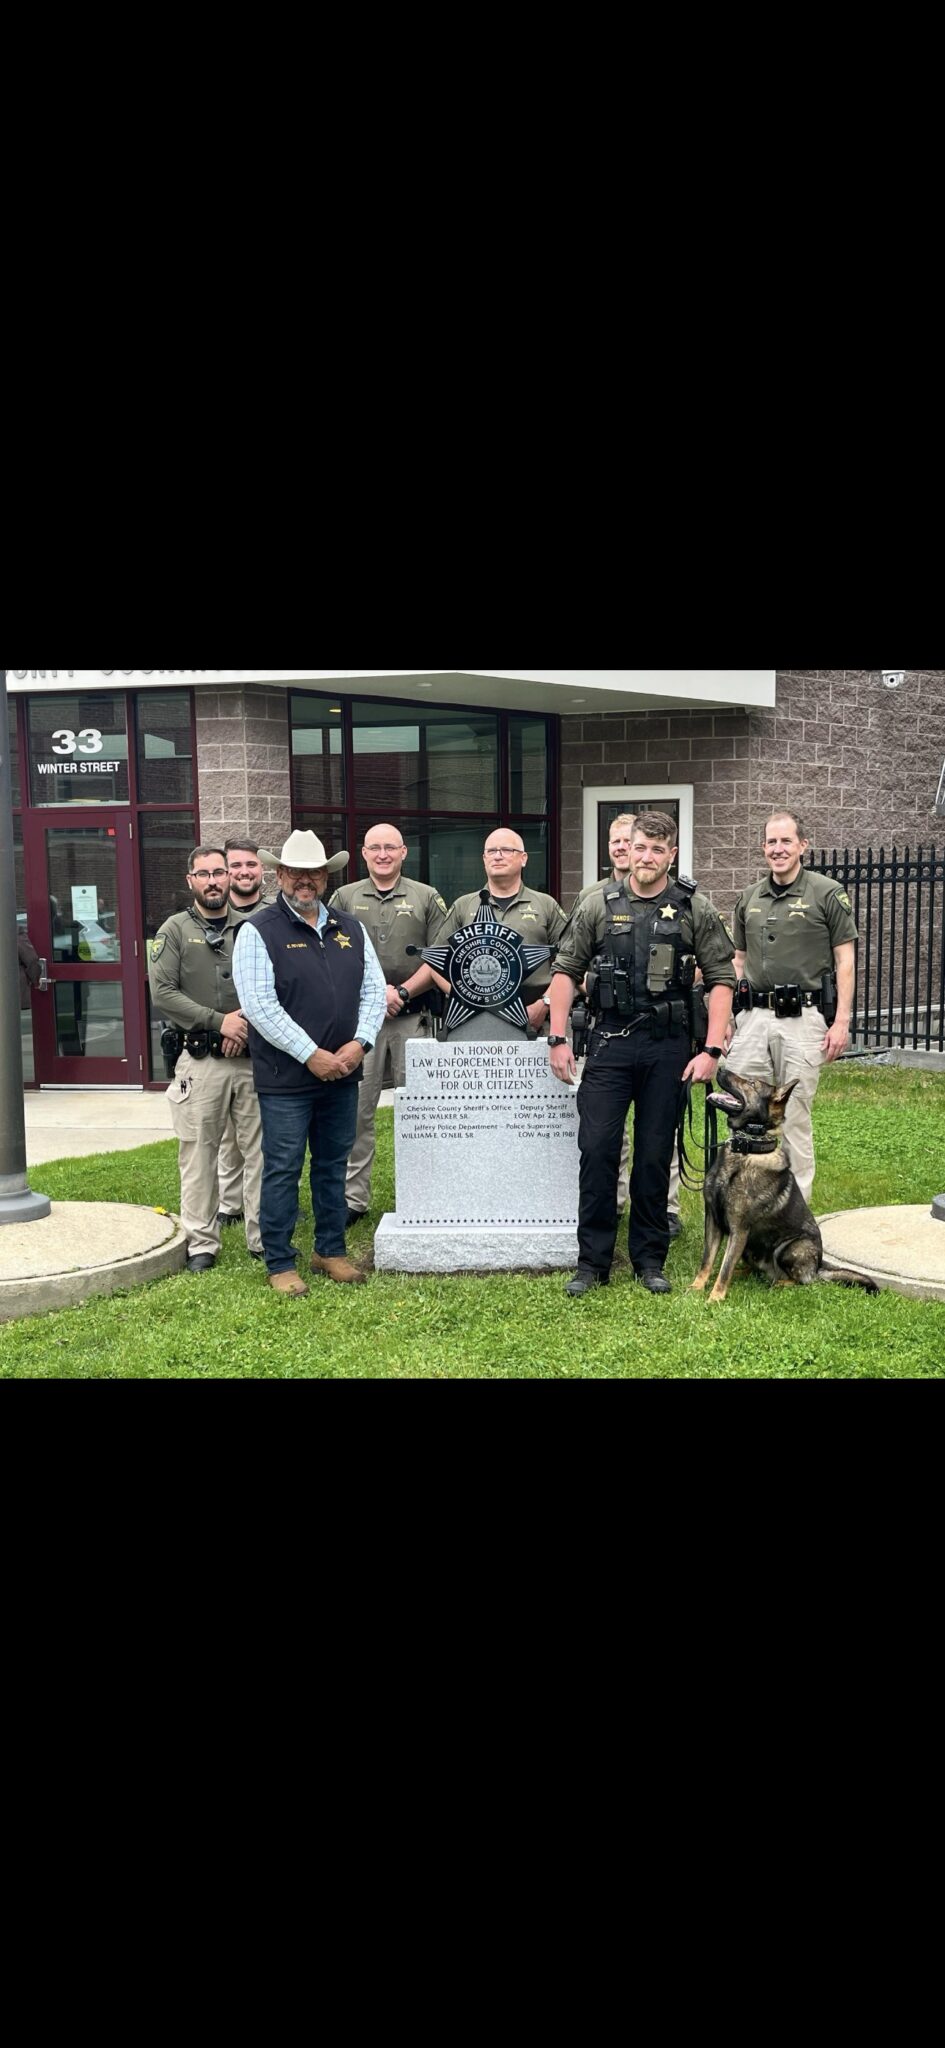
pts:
pixel 17 1202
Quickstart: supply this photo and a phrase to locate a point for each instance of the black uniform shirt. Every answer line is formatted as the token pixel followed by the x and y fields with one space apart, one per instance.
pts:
pixel 703 929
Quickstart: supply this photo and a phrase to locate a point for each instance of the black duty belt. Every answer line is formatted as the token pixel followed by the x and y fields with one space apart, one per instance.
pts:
pixel 769 998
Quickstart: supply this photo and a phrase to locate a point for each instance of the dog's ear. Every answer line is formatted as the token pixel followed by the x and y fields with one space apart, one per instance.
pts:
pixel 780 1097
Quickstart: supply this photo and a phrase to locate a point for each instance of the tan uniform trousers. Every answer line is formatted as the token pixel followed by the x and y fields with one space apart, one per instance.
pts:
pixel 231 1172
pixel 784 1049
pixel 202 1097
pixel 389 1058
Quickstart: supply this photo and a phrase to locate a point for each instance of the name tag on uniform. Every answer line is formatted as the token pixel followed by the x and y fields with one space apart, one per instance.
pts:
pixel 296 946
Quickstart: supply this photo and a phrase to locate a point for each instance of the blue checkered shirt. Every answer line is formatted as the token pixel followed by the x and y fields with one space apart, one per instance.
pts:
pixel 255 980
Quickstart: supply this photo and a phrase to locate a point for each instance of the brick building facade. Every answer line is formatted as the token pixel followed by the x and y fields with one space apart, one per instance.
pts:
pixel 859 761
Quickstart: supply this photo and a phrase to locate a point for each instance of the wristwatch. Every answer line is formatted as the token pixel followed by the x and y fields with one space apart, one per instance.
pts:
pixel 557 1041
pixel 714 1051
pixel 367 1045
pixel 404 994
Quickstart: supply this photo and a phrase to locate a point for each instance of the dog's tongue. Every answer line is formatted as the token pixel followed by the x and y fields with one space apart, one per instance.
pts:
pixel 725 1102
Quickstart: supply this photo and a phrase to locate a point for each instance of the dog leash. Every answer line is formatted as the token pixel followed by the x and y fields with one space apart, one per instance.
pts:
pixel 689 1174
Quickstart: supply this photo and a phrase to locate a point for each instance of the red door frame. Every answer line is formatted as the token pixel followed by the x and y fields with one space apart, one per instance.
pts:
pixel 51 1068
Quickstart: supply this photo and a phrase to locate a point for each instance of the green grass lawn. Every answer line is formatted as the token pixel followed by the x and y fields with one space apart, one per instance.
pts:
pixel 880 1138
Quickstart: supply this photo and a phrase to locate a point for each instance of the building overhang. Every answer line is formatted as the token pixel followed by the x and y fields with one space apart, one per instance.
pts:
pixel 569 692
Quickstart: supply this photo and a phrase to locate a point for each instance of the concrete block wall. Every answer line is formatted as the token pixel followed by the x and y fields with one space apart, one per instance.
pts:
pixel 244 767
pixel 861 763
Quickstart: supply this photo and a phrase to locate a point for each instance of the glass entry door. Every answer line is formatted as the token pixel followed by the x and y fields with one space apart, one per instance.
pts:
pixel 80 884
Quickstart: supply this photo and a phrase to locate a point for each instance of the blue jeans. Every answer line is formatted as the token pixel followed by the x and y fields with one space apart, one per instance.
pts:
pixel 326 1120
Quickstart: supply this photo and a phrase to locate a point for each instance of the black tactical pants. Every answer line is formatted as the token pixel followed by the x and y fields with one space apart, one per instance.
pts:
pixel 646 1072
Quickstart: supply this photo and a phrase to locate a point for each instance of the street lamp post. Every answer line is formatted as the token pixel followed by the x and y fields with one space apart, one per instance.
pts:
pixel 18 1204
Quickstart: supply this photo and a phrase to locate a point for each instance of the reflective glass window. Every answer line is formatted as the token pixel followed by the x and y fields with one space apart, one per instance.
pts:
pixel 165 748
pixel 535 838
pixel 83 896
pixel 318 768
pixel 14 750
pixel 78 749
pixel 528 764
pixel 19 875
pixel 410 759
pixel 90 1021
pixel 166 847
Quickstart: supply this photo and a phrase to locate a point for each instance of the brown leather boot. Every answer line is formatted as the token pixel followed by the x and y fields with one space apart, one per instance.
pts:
pixel 288 1284
pixel 339 1269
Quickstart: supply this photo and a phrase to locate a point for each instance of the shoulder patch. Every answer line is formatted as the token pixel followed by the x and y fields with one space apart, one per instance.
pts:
pixel 158 945
pixel 442 906
pixel 843 898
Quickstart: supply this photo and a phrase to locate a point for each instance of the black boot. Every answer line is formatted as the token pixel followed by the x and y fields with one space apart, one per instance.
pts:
pixel 653 1278
pixel 585 1280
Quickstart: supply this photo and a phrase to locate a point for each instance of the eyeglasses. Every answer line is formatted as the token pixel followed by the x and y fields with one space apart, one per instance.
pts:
pixel 504 853
pixel 384 849
pixel 210 874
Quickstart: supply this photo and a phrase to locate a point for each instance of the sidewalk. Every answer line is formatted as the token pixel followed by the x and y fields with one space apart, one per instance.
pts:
pixel 72 1126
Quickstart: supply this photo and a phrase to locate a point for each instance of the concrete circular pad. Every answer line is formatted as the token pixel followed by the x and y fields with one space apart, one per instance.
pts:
pixel 85 1248
pixel 901 1248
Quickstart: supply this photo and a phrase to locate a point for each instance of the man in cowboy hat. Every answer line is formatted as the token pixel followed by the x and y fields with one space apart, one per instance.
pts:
pixel 314 995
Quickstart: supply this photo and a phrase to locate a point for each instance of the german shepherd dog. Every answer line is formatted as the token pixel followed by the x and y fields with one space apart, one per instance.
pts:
pixel 752 1197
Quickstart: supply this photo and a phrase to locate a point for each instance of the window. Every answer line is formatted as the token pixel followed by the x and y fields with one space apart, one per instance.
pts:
pixel 407 759
pixel 14 747
pixel 165 748
pixel 443 775
pixel 318 769
pixel 78 750
pixel 528 765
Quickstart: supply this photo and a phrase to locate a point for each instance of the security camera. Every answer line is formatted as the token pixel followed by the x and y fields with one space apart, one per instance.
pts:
pixel 892 677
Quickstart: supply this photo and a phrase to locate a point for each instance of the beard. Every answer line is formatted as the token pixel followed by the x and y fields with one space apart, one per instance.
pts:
pixel 217 905
pixel 245 893
pixel 302 905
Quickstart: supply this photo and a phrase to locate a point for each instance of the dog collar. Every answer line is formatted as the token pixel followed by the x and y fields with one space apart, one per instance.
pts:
pixel 752 1146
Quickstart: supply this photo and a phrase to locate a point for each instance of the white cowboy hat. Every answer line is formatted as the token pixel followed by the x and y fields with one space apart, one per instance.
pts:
pixel 303 850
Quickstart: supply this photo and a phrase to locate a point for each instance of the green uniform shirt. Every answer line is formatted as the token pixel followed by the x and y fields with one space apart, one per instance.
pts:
pixel 540 920
pixel 789 937
pixel 192 982
pixel 701 925
pixel 410 915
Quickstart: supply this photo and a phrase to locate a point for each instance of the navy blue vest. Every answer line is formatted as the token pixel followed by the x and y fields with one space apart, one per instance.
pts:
pixel 319 977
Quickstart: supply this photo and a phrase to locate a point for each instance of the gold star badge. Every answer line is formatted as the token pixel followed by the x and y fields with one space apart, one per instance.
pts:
pixel 342 940
pixel 668 912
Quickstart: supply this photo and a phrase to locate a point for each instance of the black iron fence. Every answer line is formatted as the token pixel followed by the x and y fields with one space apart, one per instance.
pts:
pixel 899 904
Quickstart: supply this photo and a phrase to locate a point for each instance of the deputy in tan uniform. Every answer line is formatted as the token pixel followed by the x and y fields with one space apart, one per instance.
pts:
pixel 539 918
pixel 397 914
pixel 246 864
pixel 192 986
pixel 792 931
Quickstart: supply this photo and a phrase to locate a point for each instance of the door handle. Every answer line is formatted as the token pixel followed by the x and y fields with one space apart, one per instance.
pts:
pixel 45 981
